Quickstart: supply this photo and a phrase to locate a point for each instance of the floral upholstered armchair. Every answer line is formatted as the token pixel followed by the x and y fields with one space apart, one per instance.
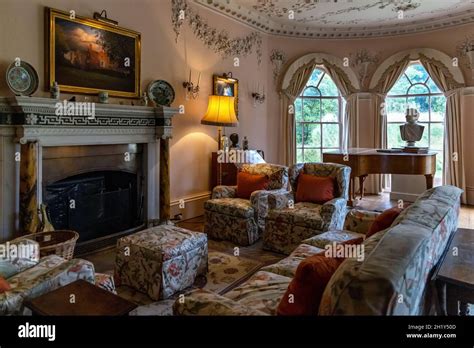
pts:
pixel 289 222
pixel 238 220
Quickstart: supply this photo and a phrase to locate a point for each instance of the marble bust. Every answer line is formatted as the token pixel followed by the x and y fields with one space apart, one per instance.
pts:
pixel 411 131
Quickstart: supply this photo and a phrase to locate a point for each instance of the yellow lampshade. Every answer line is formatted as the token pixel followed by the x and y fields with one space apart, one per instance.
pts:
pixel 220 112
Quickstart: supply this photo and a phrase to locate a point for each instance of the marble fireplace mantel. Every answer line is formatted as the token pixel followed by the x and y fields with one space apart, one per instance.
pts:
pixel 28 120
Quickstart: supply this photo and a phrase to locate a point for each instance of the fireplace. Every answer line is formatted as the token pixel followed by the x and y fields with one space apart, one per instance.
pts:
pixel 95 190
pixel 116 162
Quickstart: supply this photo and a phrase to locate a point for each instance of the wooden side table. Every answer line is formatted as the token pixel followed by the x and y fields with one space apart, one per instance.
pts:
pixel 455 275
pixel 88 300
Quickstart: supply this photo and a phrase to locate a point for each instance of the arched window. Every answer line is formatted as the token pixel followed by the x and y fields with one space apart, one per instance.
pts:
pixel 318 117
pixel 416 89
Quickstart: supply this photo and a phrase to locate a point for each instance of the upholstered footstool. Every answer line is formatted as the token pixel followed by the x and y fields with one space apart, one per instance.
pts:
pixel 161 260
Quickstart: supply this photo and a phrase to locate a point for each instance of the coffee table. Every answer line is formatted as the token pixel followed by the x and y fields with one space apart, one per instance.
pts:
pixel 455 275
pixel 88 300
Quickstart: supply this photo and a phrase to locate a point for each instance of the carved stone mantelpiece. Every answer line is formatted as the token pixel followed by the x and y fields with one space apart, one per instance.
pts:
pixel 26 120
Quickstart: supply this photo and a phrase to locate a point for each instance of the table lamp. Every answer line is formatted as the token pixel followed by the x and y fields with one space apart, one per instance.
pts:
pixel 220 113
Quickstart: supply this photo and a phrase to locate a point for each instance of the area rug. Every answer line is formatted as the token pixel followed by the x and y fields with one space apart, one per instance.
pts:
pixel 225 273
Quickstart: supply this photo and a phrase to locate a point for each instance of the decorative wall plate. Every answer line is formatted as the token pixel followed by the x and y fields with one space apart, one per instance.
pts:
pixel 22 79
pixel 161 92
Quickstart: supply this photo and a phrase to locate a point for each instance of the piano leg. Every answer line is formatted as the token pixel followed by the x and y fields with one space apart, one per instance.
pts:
pixel 351 192
pixel 429 181
pixel 361 185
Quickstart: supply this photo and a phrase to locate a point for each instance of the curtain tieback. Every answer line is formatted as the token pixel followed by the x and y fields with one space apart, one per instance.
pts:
pixel 451 92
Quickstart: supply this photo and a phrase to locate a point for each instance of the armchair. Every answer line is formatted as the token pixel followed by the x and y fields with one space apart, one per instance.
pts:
pixel 289 222
pixel 238 220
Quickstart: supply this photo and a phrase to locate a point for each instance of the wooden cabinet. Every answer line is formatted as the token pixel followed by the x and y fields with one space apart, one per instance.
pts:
pixel 226 173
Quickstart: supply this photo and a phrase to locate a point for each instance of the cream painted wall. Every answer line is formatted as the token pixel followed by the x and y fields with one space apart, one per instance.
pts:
pixel 21 35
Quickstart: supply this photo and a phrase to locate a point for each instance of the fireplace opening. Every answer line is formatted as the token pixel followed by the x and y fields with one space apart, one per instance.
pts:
pixel 96 204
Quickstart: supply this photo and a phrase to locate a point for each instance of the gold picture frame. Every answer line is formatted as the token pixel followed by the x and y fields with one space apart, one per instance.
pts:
pixel 87 56
pixel 228 86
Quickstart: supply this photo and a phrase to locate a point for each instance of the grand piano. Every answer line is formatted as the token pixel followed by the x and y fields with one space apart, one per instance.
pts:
pixel 364 161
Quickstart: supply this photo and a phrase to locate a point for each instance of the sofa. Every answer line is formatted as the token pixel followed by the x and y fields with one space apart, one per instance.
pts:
pixel 239 220
pixel 31 276
pixel 289 222
pixel 392 279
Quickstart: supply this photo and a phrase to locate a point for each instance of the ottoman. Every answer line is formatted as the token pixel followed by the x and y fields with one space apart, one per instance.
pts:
pixel 161 260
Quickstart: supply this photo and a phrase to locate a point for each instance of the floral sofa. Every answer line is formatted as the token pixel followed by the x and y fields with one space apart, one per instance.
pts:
pixel 288 224
pixel 393 278
pixel 32 276
pixel 238 220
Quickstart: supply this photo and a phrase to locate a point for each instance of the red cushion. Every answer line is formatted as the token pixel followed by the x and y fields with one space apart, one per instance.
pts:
pixel 383 221
pixel 315 189
pixel 307 287
pixel 4 285
pixel 248 183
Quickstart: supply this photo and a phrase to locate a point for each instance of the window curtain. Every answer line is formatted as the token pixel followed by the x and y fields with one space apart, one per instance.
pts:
pixel 453 170
pixel 287 99
pixel 350 119
pixel 386 82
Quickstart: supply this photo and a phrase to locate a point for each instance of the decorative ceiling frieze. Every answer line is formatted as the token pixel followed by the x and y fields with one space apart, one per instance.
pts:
pixel 217 40
pixel 345 19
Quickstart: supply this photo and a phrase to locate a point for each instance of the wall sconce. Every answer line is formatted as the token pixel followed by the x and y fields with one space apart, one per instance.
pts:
pixel 102 17
pixel 258 98
pixel 191 90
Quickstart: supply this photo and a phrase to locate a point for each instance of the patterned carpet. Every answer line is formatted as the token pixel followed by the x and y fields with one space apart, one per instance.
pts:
pixel 225 273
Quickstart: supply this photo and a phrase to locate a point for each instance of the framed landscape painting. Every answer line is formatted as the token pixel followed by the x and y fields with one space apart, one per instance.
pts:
pixel 87 56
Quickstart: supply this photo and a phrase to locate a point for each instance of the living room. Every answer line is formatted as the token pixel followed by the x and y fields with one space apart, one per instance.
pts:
pixel 167 158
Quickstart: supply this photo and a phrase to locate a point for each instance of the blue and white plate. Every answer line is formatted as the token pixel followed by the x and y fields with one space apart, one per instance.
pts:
pixel 22 78
pixel 161 92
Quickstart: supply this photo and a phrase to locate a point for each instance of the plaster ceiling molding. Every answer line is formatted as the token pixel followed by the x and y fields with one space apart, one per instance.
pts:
pixel 217 40
pixel 345 19
pixel 319 58
pixel 414 55
pixel 278 60
pixel 361 61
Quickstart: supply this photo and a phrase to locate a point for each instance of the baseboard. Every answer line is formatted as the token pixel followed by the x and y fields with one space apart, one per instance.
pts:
pixel 470 195
pixel 407 197
pixel 193 205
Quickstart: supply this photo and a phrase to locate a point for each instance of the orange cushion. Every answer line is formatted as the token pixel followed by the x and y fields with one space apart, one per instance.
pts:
pixel 4 285
pixel 383 221
pixel 248 183
pixel 315 189
pixel 306 289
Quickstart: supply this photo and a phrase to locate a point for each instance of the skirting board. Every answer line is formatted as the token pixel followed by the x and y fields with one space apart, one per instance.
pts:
pixel 193 205
pixel 470 195
pixel 407 197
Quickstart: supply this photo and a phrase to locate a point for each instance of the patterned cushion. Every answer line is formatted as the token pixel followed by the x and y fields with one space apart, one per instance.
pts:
pixel 49 274
pixel 106 282
pixel 29 257
pixel 305 250
pixel 303 214
pixel 277 175
pixel 359 220
pixel 327 238
pixel 231 206
pixel 262 292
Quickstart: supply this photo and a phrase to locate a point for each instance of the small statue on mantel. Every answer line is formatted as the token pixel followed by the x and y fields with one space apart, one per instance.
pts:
pixel 411 131
pixel 145 99
pixel 55 92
